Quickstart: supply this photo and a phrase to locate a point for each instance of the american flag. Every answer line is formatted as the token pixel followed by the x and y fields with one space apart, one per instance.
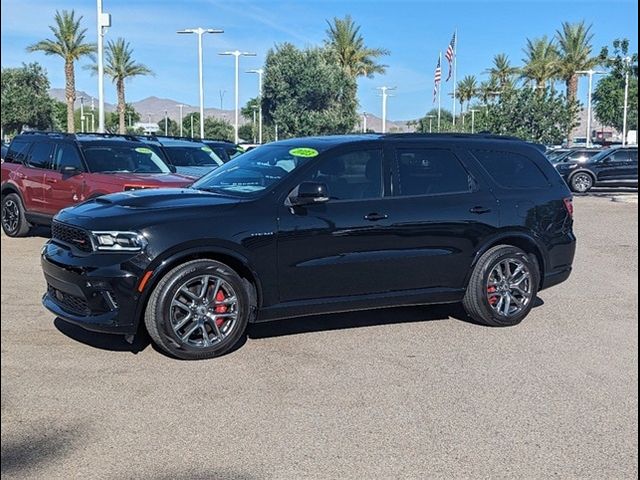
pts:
pixel 450 53
pixel 437 78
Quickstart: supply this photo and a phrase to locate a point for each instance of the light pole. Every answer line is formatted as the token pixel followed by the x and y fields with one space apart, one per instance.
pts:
pixel 431 117
pixel 82 113
pixel 166 123
pixel 192 127
pixel 92 121
pixel 385 95
pixel 93 110
pixel 237 54
pixel 180 106
pixel 364 122
pixel 473 120
pixel 627 62
pixel 259 72
pixel 591 73
pixel 104 21
pixel 200 31
pixel 253 125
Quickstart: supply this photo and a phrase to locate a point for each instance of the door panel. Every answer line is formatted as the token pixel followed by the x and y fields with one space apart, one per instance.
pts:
pixel 63 189
pixel 613 167
pixel 38 162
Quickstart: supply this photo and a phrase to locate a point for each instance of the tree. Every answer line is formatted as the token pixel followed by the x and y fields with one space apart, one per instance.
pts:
pixel 541 62
pixel 25 98
pixel 431 118
pixel 213 127
pixel 467 89
pixel 69 43
pixel 502 72
pixel 608 96
pixel 120 66
pixel 306 93
pixel 545 117
pixel 574 41
pixel 488 90
pixel 173 129
pixel 112 119
pixel 347 44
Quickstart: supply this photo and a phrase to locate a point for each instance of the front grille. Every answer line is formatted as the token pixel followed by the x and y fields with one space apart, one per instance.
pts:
pixel 69 302
pixel 71 236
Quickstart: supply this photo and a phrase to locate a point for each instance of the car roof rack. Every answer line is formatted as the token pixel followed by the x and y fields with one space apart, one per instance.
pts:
pixel 481 135
pixel 153 136
pixel 218 140
pixel 78 135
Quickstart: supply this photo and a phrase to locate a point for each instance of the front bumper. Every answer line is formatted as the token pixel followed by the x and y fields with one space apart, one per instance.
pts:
pixel 96 292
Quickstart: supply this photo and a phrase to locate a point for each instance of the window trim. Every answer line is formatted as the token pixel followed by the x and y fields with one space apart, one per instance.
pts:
pixel 396 173
pixel 549 184
pixel 49 163
pixel 78 152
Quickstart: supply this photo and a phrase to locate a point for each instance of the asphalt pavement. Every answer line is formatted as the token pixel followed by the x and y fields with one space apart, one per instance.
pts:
pixel 407 393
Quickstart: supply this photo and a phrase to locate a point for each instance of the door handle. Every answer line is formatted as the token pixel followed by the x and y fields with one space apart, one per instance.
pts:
pixel 52 180
pixel 479 210
pixel 374 217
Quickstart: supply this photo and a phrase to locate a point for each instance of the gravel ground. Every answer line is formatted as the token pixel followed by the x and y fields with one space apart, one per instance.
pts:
pixel 398 393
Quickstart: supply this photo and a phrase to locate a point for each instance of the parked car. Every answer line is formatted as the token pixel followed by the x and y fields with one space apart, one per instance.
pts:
pixel 3 151
pixel 578 155
pixel 313 226
pixel 46 172
pixel 224 149
pixel 189 156
pixel 556 153
pixel 613 166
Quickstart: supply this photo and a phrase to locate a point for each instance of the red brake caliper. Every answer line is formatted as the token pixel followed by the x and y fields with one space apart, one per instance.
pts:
pixel 493 299
pixel 220 297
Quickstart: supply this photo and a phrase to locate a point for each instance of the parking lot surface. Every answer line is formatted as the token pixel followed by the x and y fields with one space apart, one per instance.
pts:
pixel 397 393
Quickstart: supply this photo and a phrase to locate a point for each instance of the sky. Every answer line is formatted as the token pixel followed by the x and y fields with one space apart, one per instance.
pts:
pixel 413 31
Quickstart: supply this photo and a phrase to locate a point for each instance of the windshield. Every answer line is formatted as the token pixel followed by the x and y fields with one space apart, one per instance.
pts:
pixel 193 156
pixel 255 171
pixel 557 155
pixel 123 159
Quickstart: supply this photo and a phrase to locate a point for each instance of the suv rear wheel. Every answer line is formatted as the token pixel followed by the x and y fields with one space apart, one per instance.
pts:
pixel 581 182
pixel 198 310
pixel 14 222
pixel 503 286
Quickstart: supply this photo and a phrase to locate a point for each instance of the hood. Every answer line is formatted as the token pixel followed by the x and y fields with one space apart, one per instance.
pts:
pixel 144 179
pixel 139 208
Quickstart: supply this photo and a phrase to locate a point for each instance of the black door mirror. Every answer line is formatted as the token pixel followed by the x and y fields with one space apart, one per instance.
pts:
pixel 70 170
pixel 308 193
pixel 172 168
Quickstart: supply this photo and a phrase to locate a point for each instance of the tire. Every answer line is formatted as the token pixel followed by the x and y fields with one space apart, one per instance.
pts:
pixel 581 182
pixel 484 292
pixel 172 303
pixel 14 222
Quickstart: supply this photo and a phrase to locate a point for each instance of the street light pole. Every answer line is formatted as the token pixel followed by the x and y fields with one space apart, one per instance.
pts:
pixel 82 129
pixel 259 72
pixel 590 73
pixel 385 95
pixel 431 117
pixel 473 120
pixel 180 106
pixel 192 125
pixel 627 62
pixel 166 123
pixel 104 21
pixel 237 54
pixel 200 32
pixel 364 122
pixel 93 111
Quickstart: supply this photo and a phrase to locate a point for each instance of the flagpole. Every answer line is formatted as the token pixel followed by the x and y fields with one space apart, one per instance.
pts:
pixel 455 67
pixel 439 94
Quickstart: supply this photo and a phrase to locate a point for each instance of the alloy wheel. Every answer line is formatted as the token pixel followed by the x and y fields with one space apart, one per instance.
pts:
pixel 509 287
pixel 10 216
pixel 582 182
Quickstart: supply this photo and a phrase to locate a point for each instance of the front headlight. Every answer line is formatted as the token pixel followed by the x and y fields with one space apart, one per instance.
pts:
pixel 119 241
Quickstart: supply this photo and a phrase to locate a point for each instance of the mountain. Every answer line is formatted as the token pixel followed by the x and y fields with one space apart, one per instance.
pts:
pixel 58 94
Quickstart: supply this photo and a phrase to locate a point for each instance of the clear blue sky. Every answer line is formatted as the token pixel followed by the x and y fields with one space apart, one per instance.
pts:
pixel 414 32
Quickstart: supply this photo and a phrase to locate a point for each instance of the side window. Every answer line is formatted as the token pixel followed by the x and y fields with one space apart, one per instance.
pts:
pixel 431 172
pixel 40 155
pixel 511 170
pixel 633 155
pixel 619 156
pixel 67 156
pixel 351 176
pixel 18 151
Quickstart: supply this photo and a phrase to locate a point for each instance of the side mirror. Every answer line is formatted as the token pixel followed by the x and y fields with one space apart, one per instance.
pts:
pixel 308 193
pixel 172 168
pixel 70 170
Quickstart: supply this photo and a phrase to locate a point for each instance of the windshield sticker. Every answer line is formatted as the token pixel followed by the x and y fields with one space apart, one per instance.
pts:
pixel 148 151
pixel 303 152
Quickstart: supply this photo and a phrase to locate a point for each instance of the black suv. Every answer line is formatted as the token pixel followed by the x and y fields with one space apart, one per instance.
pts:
pixel 613 166
pixel 316 225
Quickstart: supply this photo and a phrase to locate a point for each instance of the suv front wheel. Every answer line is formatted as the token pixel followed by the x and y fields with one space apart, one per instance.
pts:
pixel 14 222
pixel 502 288
pixel 198 310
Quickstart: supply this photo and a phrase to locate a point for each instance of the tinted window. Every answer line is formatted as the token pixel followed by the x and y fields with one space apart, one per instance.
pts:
pixel 619 156
pixel 350 176
pixel 511 170
pixel 197 156
pixel 40 155
pixel 67 156
pixel 18 151
pixel 123 159
pixel 431 172
pixel 580 156
pixel 634 155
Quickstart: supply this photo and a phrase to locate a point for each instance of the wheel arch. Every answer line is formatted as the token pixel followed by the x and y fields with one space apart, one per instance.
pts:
pixel 165 263
pixel 8 188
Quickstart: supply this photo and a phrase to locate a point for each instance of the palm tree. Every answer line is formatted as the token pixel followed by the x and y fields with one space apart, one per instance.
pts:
pixel 488 90
pixel 120 66
pixel 467 89
pixel 502 70
pixel 70 45
pixel 574 40
pixel 541 63
pixel 346 42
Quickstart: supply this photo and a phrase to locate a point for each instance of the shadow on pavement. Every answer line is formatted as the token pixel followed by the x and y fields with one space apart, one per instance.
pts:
pixel 104 341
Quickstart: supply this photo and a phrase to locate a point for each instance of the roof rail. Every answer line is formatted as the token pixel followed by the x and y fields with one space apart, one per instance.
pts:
pixel 128 136
pixel 51 134
pixel 486 135
pixel 75 135
pixel 175 137
pixel 217 140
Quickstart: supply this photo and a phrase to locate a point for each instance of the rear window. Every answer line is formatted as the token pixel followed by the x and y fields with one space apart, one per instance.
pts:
pixel 511 170
pixel 17 151
pixel 431 172
pixel 123 159
pixel 195 156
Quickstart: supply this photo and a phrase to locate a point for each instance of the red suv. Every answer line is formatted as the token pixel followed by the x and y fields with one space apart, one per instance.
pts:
pixel 46 172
